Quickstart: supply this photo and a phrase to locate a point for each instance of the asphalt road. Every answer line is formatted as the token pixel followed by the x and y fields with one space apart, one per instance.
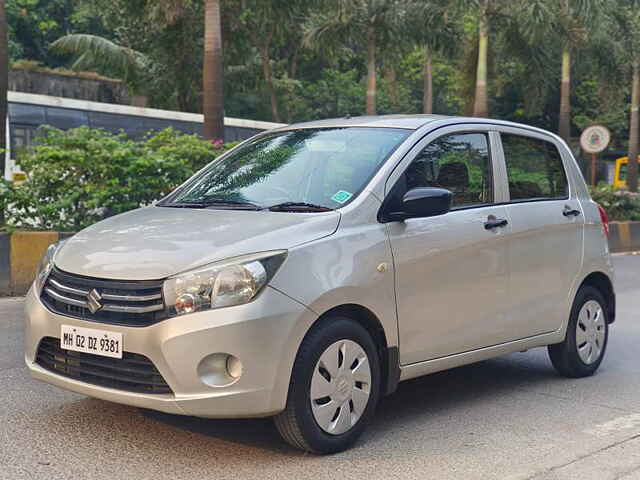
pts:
pixel 507 418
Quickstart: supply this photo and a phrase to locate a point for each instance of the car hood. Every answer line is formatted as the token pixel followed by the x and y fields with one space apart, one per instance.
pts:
pixel 156 242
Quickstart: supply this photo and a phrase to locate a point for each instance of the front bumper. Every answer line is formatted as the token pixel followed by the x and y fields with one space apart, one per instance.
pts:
pixel 264 335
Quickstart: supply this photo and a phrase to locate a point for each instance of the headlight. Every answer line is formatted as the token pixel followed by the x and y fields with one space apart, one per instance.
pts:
pixel 221 284
pixel 46 264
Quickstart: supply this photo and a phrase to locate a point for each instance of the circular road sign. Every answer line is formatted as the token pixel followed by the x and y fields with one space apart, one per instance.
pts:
pixel 595 139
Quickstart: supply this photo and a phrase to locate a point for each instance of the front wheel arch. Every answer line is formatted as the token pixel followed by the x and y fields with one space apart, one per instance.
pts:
pixel 388 356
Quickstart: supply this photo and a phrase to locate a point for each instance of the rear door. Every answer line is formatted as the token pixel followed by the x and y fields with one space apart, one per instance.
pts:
pixel 547 222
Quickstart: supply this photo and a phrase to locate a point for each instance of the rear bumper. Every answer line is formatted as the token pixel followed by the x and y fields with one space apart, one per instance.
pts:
pixel 264 335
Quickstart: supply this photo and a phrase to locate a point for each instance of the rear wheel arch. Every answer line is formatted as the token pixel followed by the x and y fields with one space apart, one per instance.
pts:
pixel 601 282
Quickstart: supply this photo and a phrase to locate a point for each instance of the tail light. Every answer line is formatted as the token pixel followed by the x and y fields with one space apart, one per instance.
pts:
pixel 604 219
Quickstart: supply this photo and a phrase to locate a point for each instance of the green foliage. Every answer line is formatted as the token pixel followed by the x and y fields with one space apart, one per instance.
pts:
pixel 103 55
pixel 593 104
pixel 5 186
pixel 447 81
pixel 335 94
pixel 78 177
pixel 620 204
pixel 34 24
pixel 326 77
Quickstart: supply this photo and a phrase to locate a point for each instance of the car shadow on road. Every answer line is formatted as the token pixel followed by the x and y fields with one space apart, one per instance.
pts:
pixel 259 432
pixel 424 397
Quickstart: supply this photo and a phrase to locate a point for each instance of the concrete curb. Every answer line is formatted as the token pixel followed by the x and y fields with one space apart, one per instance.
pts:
pixel 20 254
pixel 624 236
pixel 5 264
pixel 26 251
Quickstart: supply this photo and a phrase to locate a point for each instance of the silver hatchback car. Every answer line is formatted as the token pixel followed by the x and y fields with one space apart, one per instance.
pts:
pixel 309 270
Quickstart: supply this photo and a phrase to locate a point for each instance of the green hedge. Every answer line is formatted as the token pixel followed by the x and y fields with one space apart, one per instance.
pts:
pixel 620 204
pixel 80 176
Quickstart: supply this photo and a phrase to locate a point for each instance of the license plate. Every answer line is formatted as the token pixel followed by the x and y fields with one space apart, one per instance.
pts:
pixel 89 340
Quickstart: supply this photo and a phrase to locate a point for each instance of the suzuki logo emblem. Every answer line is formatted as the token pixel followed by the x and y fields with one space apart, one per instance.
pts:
pixel 94 298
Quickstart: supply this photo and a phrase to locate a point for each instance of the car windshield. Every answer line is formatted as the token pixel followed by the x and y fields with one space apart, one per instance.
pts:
pixel 295 170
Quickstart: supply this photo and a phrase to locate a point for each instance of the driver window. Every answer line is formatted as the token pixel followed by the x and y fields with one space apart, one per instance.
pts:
pixel 458 162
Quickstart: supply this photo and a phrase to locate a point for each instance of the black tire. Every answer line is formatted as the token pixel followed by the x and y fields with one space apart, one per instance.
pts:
pixel 296 423
pixel 565 356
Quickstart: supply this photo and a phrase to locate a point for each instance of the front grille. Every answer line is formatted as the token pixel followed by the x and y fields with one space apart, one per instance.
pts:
pixel 119 302
pixel 132 372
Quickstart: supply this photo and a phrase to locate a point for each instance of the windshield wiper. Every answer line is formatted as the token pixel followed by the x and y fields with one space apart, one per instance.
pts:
pixel 298 207
pixel 231 204
pixel 184 205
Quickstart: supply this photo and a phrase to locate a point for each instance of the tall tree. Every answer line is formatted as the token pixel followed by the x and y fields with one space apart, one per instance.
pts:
pixel 4 81
pixel 431 26
pixel 481 104
pixel 164 30
pixel 625 29
pixel 567 23
pixel 365 23
pixel 564 119
pixel 268 24
pixel 632 165
pixel 572 22
pixel 486 12
pixel 213 74
pixel 174 27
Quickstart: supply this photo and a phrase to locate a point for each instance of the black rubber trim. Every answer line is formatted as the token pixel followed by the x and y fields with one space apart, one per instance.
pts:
pixel 110 284
pixel 393 367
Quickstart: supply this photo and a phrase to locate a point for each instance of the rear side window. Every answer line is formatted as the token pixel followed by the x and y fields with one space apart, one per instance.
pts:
pixel 534 168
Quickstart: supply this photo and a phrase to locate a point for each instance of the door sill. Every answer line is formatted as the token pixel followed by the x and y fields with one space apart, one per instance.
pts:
pixel 418 369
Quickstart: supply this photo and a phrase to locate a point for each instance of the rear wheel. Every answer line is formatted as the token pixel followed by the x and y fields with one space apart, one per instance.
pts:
pixel 584 346
pixel 334 390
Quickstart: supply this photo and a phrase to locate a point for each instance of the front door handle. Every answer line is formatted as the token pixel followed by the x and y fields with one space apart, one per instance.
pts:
pixel 492 223
pixel 570 212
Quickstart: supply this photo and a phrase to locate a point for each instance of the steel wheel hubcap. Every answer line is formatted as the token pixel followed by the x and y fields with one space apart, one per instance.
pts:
pixel 590 332
pixel 340 387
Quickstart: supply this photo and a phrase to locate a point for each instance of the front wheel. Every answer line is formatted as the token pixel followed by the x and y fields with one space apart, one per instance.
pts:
pixel 335 386
pixel 584 346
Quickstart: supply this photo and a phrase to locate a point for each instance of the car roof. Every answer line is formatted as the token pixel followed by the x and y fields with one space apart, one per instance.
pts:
pixel 412 122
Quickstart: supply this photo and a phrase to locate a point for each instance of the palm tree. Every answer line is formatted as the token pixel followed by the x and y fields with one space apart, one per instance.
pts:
pixel 632 165
pixel 105 56
pixel 487 11
pixel 568 23
pixel 4 81
pixel 626 31
pixel 213 74
pixel 98 53
pixel 429 22
pixel 480 104
pixel 267 23
pixel 366 23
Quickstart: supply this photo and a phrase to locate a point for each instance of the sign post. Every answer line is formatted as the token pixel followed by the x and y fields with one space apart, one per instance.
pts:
pixel 594 139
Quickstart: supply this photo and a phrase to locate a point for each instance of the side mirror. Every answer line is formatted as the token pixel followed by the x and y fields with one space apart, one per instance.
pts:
pixel 423 202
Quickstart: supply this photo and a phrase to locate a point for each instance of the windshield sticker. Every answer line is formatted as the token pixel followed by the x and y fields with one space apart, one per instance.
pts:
pixel 341 196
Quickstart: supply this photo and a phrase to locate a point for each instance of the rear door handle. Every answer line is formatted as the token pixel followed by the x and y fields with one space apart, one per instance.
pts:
pixel 570 212
pixel 495 223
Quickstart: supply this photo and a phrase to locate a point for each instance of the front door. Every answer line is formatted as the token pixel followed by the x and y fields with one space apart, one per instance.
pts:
pixel 451 270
